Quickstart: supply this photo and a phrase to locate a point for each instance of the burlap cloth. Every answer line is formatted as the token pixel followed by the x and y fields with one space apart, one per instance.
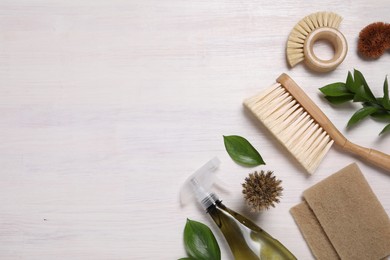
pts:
pixel 341 218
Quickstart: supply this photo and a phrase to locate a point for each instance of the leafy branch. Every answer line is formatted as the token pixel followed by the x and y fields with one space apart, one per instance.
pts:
pixel 356 89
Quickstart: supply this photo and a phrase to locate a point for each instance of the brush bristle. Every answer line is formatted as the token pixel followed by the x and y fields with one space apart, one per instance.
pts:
pixel 288 121
pixel 303 28
pixel 374 40
pixel 262 190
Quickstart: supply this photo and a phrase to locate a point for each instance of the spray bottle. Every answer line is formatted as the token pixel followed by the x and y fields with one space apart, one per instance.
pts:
pixel 246 240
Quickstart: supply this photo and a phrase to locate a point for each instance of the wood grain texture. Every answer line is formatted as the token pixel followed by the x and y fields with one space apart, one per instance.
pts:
pixel 107 106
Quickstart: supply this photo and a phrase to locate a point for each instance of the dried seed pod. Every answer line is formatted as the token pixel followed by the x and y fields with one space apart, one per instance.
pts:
pixel 262 190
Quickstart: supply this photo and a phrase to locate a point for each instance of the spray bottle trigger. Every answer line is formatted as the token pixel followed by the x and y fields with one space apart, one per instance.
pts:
pixel 204 176
pixel 222 185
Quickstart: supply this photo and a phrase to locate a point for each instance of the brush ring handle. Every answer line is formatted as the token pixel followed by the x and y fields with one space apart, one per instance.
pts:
pixel 331 35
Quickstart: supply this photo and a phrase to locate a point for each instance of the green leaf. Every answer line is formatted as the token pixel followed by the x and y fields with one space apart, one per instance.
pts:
pixel 241 151
pixel 340 100
pixel 349 83
pixel 376 104
pixel 360 114
pixel 359 98
pixel 335 90
pixel 381 115
pixel 362 90
pixel 385 130
pixel 356 83
pixel 200 242
pixel 386 101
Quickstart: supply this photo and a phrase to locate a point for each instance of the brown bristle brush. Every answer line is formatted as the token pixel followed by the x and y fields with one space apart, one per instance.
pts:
pixel 262 190
pixel 299 124
pixel 374 40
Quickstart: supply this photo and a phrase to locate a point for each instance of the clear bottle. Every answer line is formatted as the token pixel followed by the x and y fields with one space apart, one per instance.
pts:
pixel 246 240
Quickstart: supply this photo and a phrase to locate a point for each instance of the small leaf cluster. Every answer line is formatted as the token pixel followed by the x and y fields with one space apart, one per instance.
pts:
pixel 199 242
pixel 356 89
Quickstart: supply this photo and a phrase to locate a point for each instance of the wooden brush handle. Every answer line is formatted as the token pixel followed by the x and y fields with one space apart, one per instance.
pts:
pixel 331 35
pixel 372 156
pixel 375 157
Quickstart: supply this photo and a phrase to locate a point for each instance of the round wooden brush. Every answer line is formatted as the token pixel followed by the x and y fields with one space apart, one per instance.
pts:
pixel 261 190
pixel 314 27
pixel 374 40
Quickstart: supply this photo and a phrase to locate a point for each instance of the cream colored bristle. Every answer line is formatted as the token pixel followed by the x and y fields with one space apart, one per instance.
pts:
pixel 320 19
pixel 288 121
pixel 294 45
pixel 296 58
pixel 303 28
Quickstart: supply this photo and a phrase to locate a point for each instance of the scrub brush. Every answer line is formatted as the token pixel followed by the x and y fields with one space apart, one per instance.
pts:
pixel 262 190
pixel 299 124
pixel 374 40
pixel 317 26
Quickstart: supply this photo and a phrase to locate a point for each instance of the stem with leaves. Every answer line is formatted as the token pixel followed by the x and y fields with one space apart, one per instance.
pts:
pixel 356 89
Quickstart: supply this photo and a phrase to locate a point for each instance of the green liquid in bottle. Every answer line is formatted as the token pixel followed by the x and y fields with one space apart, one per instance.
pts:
pixel 246 240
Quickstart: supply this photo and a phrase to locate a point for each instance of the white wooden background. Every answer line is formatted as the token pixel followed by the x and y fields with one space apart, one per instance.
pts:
pixel 107 106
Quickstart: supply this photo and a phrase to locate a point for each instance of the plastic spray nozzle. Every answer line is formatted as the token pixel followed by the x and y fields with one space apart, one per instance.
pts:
pixel 199 183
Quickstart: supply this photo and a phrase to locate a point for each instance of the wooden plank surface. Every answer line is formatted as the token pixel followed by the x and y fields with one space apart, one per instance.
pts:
pixel 107 106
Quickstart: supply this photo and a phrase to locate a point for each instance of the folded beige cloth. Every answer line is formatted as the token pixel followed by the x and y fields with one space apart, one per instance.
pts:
pixel 341 218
